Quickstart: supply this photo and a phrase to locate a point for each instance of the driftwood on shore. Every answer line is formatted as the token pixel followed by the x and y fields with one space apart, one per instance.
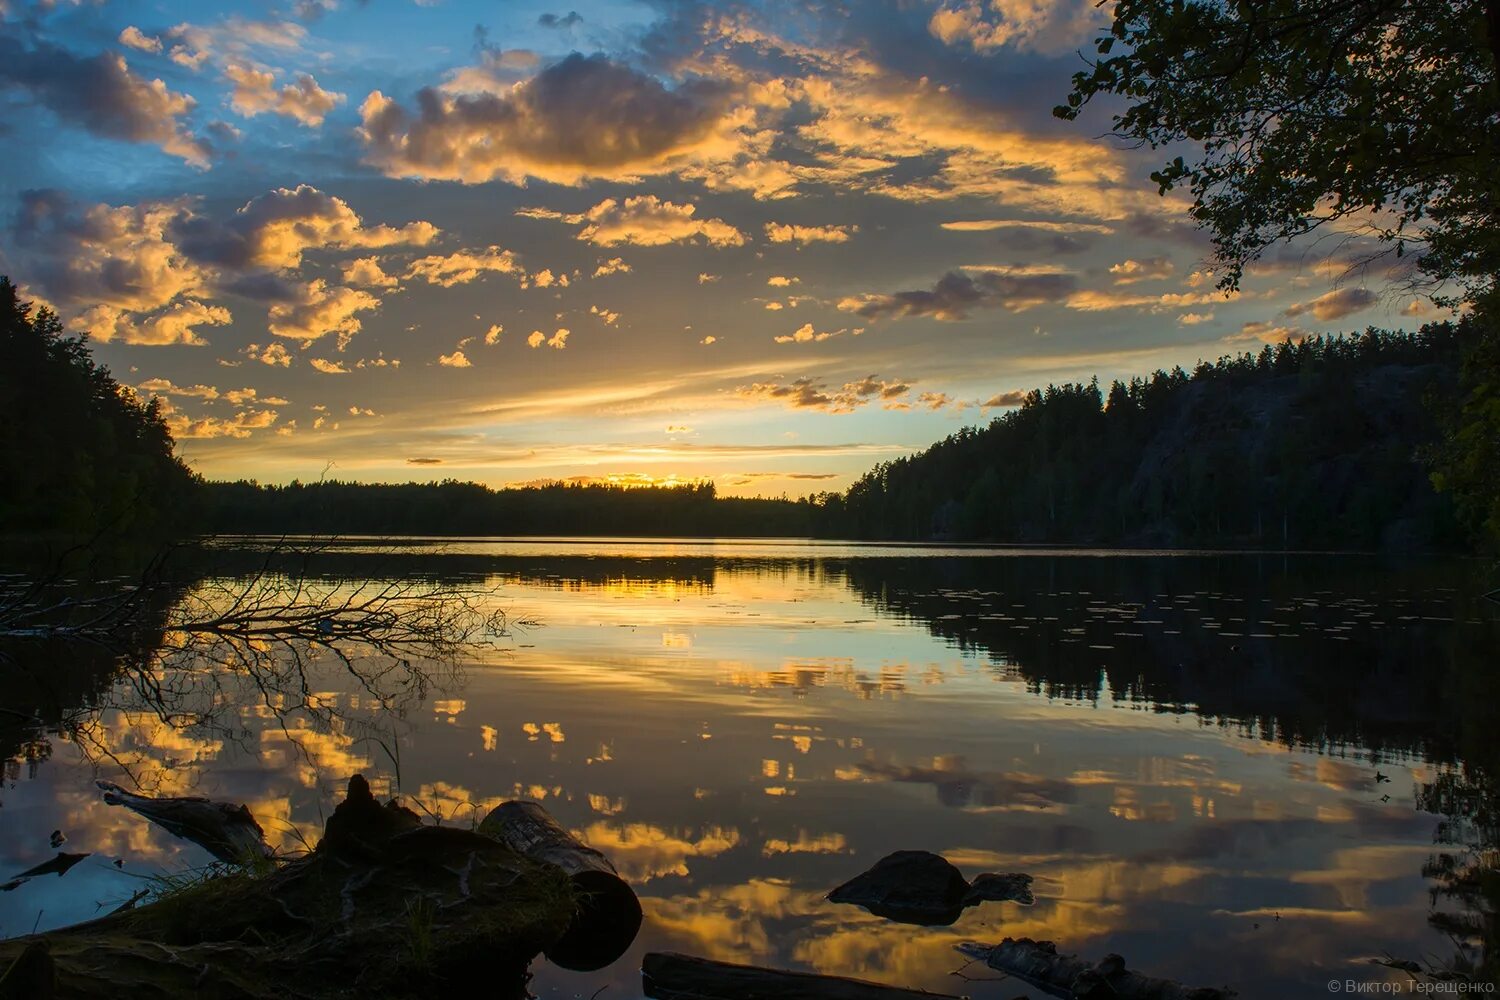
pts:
pixel 670 976
pixel 609 914
pixel 1040 964
pixel 228 832
pixel 383 906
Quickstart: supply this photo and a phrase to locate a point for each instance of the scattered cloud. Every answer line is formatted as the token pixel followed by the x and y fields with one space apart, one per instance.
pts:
pixel 646 220
pixel 959 292
pixel 1045 225
pixel 612 266
pixel 1151 269
pixel 811 394
pixel 320 309
pixel 274 229
pixel 328 367
pixel 582 118
pixel 1051 27
pixel 101 95
pixel 275 355
pixel 1335 305
pixel 455 360
pixel 778 232
pixel 805 334
pixel 132 37
pixel 1014 397
pixel 366 271
pixel 463 266
pixel 558 340
pixel 1265 333
pixel 254 92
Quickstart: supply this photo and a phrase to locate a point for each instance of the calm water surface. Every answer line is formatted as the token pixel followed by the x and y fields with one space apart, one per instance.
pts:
pixel 1182 749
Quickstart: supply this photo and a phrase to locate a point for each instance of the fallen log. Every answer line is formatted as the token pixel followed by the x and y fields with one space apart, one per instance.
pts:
pixel 609 914
pixel 228 832
pixel 919 887
pixel 670 976
pixel 1038 963
pixel 384 906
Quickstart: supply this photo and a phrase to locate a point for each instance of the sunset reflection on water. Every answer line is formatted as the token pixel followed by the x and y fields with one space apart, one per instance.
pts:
pixel 741 733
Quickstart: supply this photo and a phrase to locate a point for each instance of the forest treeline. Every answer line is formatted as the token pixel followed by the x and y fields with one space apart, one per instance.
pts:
pixel 1331 442
pixel 452 507
pixel 80 454
pixel 1328 442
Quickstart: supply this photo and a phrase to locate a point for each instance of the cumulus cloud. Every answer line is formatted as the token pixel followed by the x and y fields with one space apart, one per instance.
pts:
pixel 320 309
pixel 241 425
pixel 101 95
pixel 612 266
pixel 1015 397
pixel 1096 300
pixel 811 394
pixel 805 334
pixel 175 325
pixel 644 220
pixel 958 292
pixel 1265 333
pixel 1336 304
pixel 1193 319
pixel 1049 26
pixel 455 360
pixel 581 118
pixel 110 260
pixel 558 340
pixel 134 38
pixel 608 317
pixel 254 92
pixel 782 233
pixel 275 355
pixel 328 367
pixel 367 272
pixel 164 387
pixel 781 281
pixel 492 335
pixel 274 229
pixel 1152 268
pixel 463 266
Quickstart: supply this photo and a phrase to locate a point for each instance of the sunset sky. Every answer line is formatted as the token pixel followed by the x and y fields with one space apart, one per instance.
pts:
pixel 768 243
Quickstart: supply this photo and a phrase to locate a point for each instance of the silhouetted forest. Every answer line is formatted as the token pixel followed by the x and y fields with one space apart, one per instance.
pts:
pixel 1324 443
pixel 79 453
pixel 458 508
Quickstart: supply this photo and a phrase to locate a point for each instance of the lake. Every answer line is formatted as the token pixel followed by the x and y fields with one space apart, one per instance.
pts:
pixel 1219 765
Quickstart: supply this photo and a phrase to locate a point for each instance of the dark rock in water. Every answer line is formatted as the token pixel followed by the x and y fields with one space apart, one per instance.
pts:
pixel 919 887
pixel 912 887
pixel 1012 887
